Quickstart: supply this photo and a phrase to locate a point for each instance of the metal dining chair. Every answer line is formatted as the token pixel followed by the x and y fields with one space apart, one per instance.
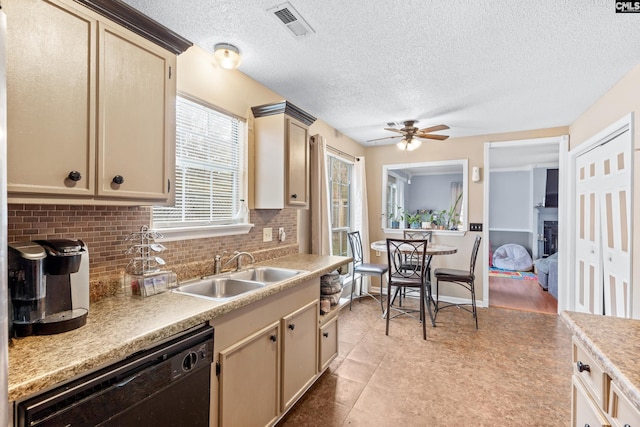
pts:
pixel 362 269
pixel 416 234
pixel 412 276
pixel 464 278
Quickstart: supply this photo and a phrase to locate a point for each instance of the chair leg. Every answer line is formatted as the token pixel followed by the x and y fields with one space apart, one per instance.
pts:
pixel 353 287
pixel 422 313
pixel 437 302
pixel 381 292
pixel 473 302
pixel 429 299
pixel 388 306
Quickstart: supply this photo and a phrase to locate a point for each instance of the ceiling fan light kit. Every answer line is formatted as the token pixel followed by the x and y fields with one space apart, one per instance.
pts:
pixel 409 133
pixel 409 145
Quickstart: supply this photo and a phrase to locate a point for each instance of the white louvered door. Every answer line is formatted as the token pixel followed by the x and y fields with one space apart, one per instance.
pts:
pixel 603 235
pixel 588 265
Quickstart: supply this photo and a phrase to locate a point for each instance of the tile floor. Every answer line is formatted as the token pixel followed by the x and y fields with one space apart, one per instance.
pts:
pixel 514 371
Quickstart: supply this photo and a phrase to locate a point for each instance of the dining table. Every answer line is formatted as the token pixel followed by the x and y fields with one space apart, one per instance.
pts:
pixel 432 250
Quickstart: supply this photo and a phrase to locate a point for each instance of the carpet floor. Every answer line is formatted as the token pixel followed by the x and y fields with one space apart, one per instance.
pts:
pixel 515 370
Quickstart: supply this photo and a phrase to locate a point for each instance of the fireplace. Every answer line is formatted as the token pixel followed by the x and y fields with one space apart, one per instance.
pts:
pixel 550 238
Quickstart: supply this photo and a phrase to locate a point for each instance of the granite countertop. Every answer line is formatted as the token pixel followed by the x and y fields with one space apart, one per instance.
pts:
pixel 615 343
pixel 119 326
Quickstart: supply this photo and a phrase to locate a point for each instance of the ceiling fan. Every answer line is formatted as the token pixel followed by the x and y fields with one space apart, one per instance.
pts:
pixel 410 131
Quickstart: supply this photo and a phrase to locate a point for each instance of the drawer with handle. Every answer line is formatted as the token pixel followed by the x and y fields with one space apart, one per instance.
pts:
pixel 592 375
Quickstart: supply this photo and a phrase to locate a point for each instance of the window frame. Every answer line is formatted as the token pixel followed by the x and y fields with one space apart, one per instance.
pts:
pixel 330 158
pixel 212 230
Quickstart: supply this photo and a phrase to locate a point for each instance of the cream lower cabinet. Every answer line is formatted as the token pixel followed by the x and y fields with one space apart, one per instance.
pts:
pixel 328 339
pixel 266 357
pixel 596 400
pixel 249 379
pixel 299 352
pixel 90 108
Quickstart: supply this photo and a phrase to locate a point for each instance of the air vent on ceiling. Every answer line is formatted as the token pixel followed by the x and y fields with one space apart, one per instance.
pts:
pixel 392 124
pixel 291 19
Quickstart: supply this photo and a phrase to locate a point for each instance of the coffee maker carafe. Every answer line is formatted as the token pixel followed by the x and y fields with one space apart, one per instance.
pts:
pixel 49 286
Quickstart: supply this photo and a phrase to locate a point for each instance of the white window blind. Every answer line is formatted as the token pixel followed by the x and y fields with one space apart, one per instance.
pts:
pixel 211 169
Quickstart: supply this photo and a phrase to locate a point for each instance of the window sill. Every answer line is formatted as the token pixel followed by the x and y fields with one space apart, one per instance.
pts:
pixel 400 232
pixel 173 234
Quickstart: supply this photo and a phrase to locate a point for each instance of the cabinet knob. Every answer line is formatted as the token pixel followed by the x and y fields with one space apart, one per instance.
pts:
pixel 292 326
pixel 118 179
pixel 582 367
pixel 273 338
pixel 325 334
pixel 74 176
pixel 294 196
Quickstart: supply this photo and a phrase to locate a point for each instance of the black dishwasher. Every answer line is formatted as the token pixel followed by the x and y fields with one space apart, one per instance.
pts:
pixel 167 385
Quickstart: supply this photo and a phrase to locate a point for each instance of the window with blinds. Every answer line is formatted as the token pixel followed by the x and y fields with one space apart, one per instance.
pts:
pixel 211 169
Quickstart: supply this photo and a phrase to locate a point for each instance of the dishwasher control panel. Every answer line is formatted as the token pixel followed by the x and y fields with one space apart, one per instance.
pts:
pixel 192 359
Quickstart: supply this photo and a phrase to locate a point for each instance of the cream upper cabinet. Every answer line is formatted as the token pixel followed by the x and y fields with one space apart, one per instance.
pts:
pixel 281 172
pixel 51 96
pixel 136 116
pixel 91 108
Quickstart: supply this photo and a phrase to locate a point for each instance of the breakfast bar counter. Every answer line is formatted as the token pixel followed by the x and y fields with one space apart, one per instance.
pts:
pixel 120 326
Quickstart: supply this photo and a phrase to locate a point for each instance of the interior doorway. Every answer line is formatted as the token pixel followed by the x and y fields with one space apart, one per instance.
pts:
pixel 523 189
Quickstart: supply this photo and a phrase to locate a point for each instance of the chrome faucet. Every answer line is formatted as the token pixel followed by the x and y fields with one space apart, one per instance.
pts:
pixel 217 263
pixel 237 256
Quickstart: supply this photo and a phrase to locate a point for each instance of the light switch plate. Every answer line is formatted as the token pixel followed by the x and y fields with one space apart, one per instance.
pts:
pixel 475 226
pixel 267 234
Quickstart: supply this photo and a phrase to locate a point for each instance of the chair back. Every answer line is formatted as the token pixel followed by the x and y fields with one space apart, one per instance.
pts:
pixel 474 254
pixel 397 252
pixel 355 243
pixel 417 235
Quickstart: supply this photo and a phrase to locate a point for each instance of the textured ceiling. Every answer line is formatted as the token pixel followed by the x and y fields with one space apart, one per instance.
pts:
pixel 479 66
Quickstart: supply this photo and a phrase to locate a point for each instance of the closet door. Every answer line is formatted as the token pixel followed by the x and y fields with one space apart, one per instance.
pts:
pixel 603 235
pixel 588 265
pixel 615 209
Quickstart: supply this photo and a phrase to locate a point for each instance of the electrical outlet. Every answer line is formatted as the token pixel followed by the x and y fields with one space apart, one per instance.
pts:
pixel 475 226
pixel 267 234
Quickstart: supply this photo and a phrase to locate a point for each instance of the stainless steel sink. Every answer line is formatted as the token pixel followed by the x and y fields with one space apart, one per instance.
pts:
pixel 231 285
pixel 219 288
pixel 266 274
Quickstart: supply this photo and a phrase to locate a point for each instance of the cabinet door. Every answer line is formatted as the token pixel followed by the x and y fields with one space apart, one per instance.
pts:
pixel 621 410
pixel 249 380
pixel 584 411
pixel 136 116
pixel 300 352
pixel 51 77
pixel 328 343
pixel 297 183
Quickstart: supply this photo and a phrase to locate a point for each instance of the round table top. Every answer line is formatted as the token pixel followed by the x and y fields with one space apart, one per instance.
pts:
pixel 432 248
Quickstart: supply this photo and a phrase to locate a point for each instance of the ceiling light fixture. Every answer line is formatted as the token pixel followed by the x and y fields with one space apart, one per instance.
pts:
pixel 226 55
pixel 409 144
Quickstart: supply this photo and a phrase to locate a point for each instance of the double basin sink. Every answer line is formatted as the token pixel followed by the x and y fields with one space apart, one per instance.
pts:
pixel 224 287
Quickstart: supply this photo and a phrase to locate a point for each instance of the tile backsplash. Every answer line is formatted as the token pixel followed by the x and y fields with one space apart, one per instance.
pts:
pixel 104 228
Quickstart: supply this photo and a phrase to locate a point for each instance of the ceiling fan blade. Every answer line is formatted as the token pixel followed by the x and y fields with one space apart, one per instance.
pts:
pixel 429 136
pixel 394 130
pixel 386 137
pixel 434 128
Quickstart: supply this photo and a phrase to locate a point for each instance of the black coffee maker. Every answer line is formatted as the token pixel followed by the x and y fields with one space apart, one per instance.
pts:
pixel 48 286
